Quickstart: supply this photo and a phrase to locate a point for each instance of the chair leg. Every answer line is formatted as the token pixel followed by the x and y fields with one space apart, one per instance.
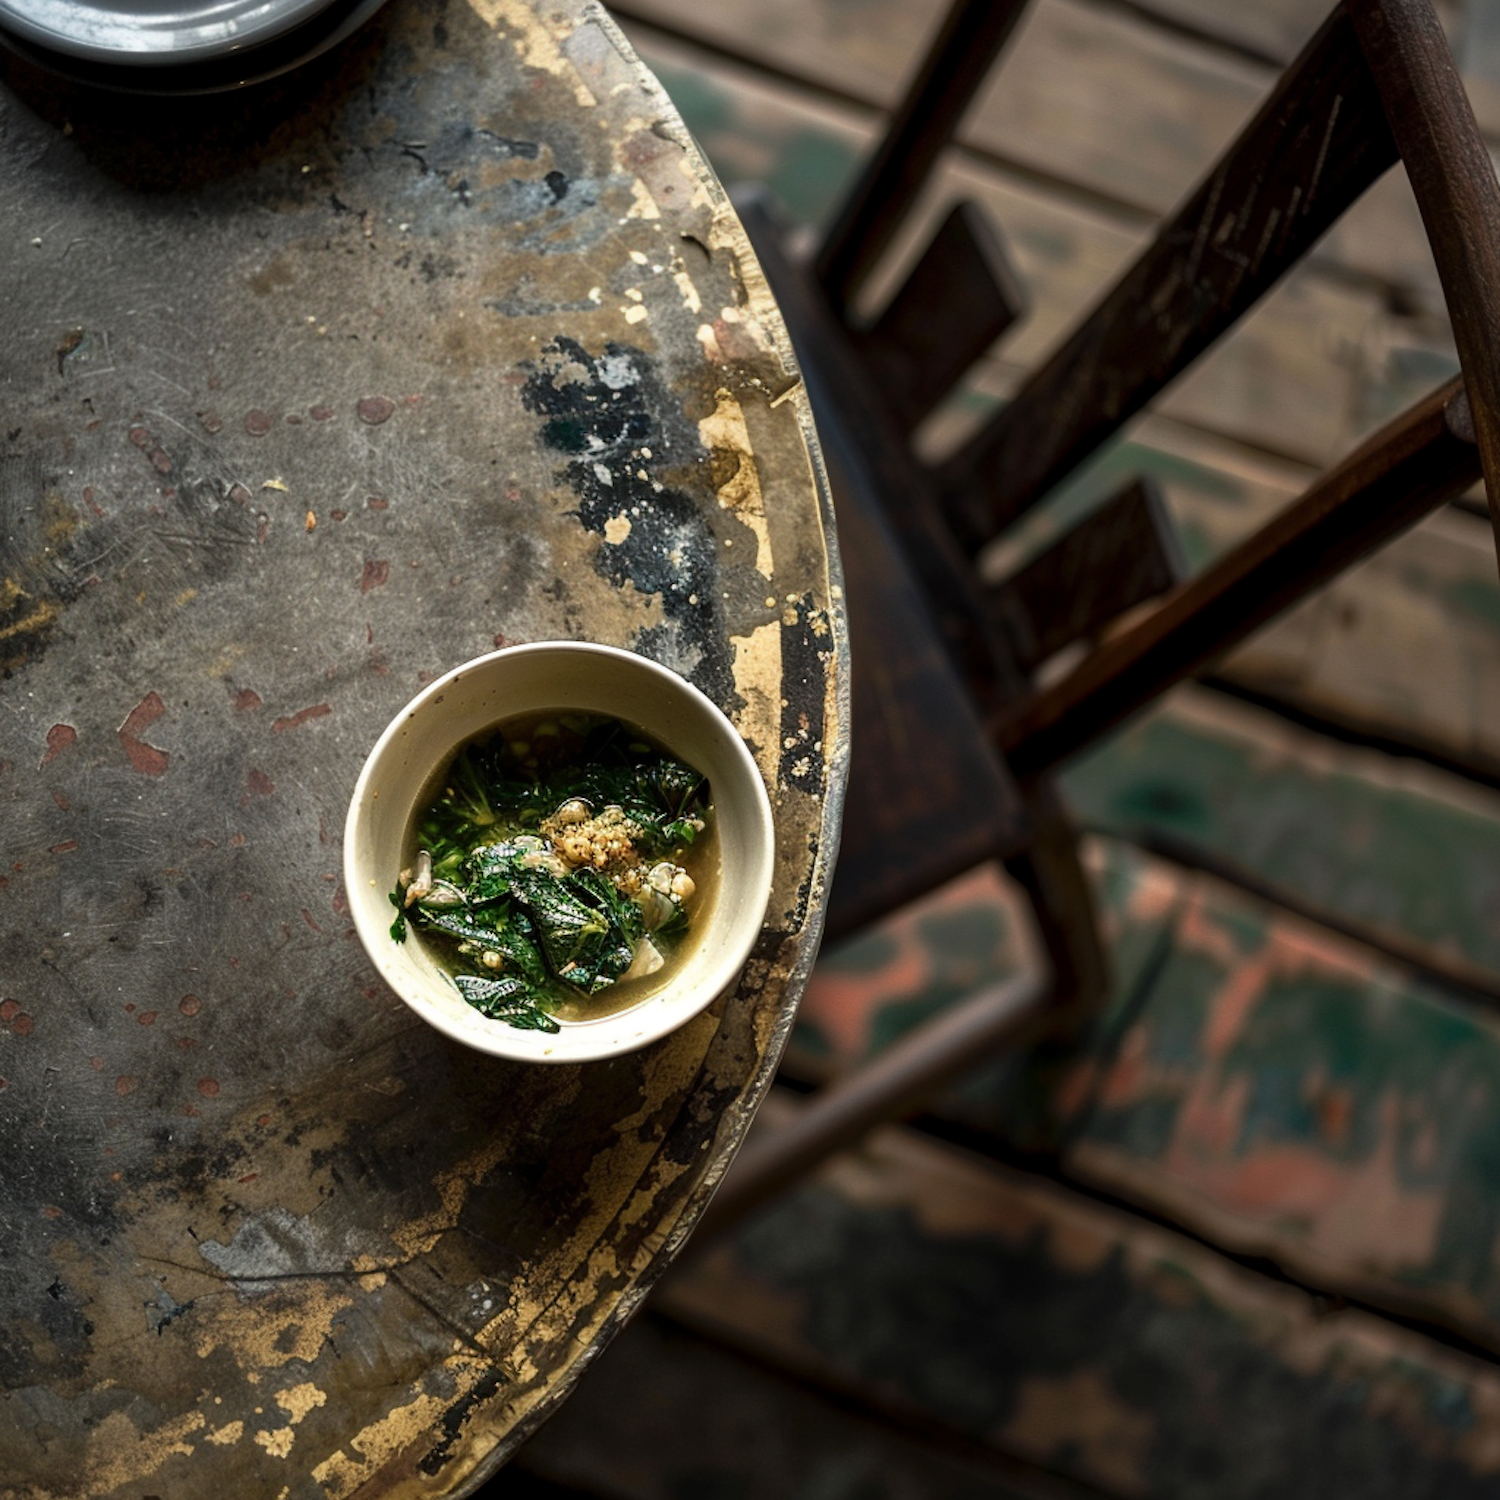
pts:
pixel 907 1074
pixel 896 1084
pixel 1051 873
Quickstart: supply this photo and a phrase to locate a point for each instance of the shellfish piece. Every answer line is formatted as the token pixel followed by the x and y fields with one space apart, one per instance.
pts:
pixel 421 881
pixel 443 896
pixel 657 908
pixel 574 810
pixel 671 880
pixel 647 960
pixel 545 859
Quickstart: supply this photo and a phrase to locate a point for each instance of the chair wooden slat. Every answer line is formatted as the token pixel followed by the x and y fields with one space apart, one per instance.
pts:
pixel 1453 178
pixel 1312 149
pixel 954 69
pixel 960 297
pixel 1414 464
pixel 927 798
pixel 1123 554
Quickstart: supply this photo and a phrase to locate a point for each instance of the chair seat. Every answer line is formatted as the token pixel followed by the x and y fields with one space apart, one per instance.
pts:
pixel 928 798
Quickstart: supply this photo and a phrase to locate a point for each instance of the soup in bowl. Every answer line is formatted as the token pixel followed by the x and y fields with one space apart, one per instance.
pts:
pixel 559 852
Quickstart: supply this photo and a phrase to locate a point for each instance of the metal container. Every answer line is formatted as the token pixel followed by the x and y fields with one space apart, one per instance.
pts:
pixel 164 46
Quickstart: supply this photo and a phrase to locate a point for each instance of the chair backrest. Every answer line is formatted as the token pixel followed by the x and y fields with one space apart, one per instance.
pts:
pixel 1376 84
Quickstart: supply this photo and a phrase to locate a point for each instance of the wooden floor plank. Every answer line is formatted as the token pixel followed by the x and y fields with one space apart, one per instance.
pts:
pixel 1292 1095
pixel 1272 1085
pixel 994 1305
pixel 1274 29
pixel 666 1414
pixel 1403 648
pixel 1392 847
pixel 867 992
pixel 1091 94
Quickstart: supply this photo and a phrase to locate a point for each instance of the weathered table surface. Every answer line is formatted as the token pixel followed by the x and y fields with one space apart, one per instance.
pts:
pixel 448 339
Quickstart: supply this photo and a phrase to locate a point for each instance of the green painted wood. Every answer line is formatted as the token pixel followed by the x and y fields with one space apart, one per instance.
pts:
pixel 1396 847
pixel 1292 1095
pixel 1023 1319
pixel 871 989
pixel 1279 1088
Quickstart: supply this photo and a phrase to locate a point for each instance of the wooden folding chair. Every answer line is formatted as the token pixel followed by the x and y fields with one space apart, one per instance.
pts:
pixel 955 741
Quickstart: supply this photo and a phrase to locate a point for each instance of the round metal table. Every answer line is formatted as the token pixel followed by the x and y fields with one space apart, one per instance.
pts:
pixel 310 393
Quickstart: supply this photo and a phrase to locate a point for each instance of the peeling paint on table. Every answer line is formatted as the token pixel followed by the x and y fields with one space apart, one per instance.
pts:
pixel 447 341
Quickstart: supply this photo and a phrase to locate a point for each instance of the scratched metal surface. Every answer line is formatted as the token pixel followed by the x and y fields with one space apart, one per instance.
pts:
pixel 449 339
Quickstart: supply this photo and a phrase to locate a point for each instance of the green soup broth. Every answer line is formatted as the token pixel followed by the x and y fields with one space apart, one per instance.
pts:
pixel 547 837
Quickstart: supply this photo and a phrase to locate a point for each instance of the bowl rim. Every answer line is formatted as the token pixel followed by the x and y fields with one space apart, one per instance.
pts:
pixel 724 970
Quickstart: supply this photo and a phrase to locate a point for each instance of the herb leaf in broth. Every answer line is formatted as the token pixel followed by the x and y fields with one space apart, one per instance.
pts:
pixel 508 999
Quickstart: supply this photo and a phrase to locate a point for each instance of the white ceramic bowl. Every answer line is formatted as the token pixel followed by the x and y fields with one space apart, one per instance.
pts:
pixel 535 678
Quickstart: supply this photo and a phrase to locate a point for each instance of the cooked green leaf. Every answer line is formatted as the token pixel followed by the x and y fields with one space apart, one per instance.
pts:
pixel 506 999
pixel 507 908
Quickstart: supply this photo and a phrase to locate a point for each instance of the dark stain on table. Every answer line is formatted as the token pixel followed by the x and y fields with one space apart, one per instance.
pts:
pixel 605 414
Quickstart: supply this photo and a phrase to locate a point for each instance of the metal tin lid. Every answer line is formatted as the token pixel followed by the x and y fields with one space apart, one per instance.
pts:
pixel 156 46
pixel 136 33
